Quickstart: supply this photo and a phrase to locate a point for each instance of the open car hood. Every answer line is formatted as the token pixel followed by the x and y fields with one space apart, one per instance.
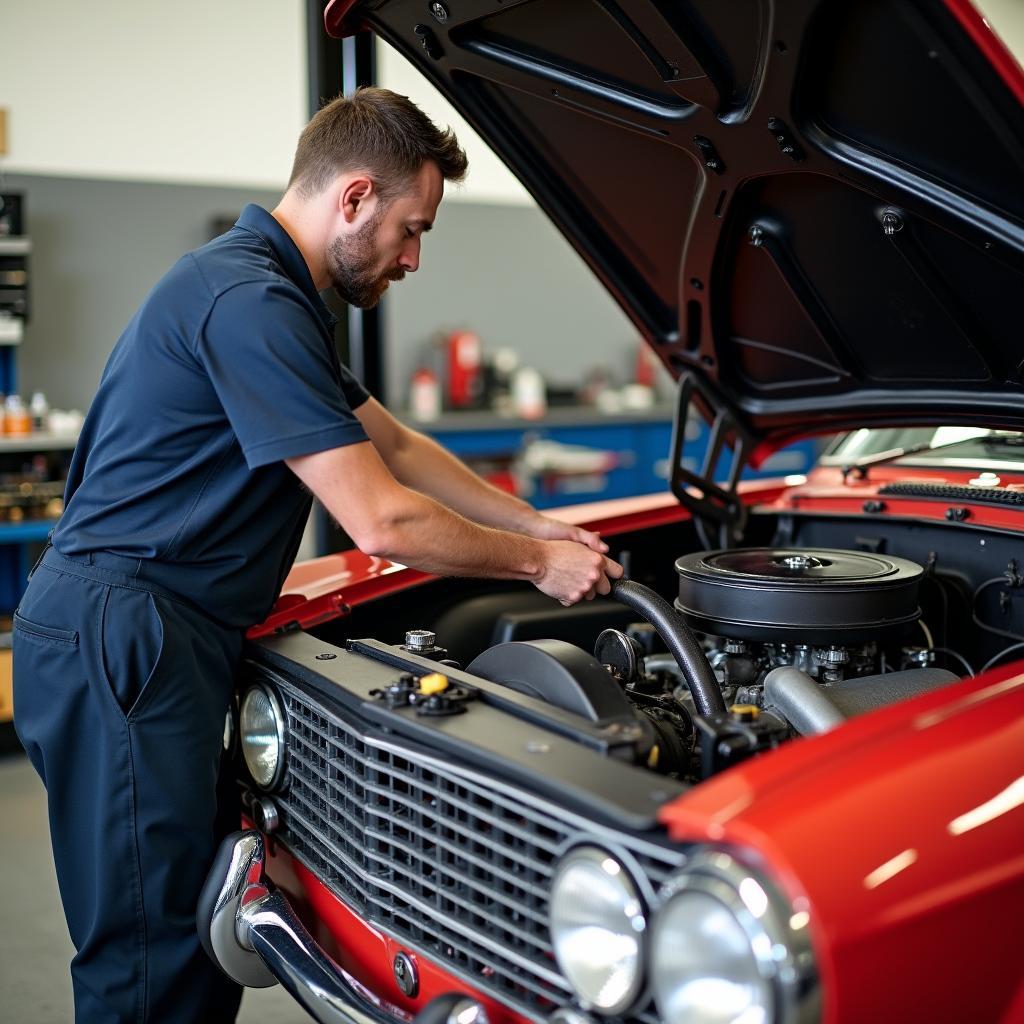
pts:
pixel 814 208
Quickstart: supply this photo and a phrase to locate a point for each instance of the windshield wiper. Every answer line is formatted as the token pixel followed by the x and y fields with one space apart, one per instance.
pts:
pixel 861 466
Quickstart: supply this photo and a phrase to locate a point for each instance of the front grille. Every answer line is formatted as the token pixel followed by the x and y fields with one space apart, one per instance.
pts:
pixel 449 862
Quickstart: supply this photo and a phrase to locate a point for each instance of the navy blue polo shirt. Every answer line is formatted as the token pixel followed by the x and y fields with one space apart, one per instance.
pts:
pixel 228 368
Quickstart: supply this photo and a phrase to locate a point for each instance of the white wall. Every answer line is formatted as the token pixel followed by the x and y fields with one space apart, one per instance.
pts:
pixel 198 91
pixel 1007 18
pixel 193 91
pixel 203 91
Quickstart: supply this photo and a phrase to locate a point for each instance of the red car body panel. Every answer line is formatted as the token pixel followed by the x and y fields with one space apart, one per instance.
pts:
pixel 364 952
pixel 905 829
pixel 826 492
pixel 897 858
pixel 901 834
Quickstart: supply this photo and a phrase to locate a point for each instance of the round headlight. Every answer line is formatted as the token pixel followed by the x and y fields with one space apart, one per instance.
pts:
pixel 597 929
pixel 261 726
pixel 726 948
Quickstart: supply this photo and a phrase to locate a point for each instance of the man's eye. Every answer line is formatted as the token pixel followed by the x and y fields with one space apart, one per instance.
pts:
pixel 409 233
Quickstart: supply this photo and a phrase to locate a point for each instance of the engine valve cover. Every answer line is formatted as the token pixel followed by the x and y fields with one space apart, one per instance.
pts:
pixel 784 595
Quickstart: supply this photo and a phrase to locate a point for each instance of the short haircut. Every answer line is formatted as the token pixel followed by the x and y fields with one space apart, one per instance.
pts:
pixel 378 131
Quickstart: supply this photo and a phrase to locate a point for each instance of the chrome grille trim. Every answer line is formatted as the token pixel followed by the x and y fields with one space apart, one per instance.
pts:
pixel 448 861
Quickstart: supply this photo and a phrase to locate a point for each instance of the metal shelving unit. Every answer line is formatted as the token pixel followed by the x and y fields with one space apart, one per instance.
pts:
pixel 38 442
pixel 16 538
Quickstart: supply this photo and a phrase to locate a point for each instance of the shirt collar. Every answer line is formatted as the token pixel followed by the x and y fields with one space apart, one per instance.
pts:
pixel 254 218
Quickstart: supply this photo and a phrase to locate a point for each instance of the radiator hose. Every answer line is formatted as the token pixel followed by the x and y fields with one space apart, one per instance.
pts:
pixel 707 697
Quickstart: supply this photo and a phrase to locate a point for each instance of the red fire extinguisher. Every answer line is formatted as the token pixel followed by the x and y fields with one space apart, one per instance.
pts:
pixel 465 377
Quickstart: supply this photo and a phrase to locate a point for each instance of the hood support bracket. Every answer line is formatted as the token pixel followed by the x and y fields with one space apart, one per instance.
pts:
pixel 719 515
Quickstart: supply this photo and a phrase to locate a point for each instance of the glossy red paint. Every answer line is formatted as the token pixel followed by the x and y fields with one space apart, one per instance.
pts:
pixel 825 492
pixel 336 20
pixel 325 588
pixel 991 45
pixel 367 954
pixel 901 835
pixel 322 589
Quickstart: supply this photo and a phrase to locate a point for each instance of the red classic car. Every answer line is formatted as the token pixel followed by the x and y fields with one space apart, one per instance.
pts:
pixel 779 777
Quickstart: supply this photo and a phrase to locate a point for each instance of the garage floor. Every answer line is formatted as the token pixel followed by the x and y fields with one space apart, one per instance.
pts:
pixel 34 944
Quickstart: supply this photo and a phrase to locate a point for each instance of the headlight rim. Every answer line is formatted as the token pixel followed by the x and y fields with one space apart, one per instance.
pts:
pixel 645 893
pixel 794 979
pixel 281 728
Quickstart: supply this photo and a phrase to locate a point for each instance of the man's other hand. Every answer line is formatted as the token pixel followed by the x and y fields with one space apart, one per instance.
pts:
pixel 574 572
pixel 546 528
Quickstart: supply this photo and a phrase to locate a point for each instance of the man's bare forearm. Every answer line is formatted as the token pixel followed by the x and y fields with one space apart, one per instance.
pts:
pixel 388 519
pixel 422 532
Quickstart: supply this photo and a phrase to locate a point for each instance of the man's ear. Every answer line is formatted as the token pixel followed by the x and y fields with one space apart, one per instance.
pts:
pixel 356 198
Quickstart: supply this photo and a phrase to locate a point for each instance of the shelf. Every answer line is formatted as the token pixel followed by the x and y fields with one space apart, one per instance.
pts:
pixel 556 416
pixel 20 533
pixel 12 246
pixel 39 442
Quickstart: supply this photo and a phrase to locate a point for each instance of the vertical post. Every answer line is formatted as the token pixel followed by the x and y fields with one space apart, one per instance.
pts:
pixel 343 66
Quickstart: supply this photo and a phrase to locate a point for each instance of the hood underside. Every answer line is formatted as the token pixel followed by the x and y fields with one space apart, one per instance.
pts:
pixel 814 206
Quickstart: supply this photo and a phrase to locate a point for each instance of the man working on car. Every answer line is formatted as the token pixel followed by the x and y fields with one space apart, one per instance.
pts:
pixel 221 407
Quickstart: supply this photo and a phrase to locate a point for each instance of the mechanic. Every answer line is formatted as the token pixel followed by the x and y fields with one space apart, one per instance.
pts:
pixel 221 407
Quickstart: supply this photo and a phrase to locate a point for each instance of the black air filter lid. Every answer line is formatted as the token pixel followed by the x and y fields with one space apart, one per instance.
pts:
pixel 820 596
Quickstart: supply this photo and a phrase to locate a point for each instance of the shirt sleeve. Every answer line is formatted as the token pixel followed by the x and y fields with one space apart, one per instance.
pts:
pixel 270 363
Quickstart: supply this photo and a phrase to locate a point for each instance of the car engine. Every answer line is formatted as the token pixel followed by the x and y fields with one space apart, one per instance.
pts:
pixel 762 644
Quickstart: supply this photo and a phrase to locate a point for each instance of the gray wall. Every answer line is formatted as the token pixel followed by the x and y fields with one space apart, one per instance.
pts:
pixel 505 272
pixel 99 246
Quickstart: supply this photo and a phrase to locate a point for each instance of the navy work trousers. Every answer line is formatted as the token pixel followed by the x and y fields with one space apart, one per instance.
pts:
pixel 120 694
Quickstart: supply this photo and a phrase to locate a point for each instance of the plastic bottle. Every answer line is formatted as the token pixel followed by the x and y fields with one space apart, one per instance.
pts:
pixel 425 395
pixel 40 410
pixel 529 395
pixel 17 422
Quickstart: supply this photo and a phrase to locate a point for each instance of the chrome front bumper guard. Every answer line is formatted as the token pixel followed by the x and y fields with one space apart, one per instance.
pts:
pixel 253 935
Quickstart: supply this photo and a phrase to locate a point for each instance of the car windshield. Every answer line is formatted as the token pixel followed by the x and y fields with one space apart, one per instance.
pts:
pixel 965 447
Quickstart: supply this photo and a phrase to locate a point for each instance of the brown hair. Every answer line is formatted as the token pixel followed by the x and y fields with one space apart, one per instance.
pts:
pixel 378 131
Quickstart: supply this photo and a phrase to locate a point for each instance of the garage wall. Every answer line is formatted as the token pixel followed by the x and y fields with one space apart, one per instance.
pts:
pixel 192 91
pixel 199 93
pixel 505 272
pixel 99 246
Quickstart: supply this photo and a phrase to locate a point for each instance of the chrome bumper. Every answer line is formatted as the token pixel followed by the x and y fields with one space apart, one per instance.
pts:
pixel 253 935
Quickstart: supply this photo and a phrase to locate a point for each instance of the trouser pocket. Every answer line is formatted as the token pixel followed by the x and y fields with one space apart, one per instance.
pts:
pixel 131 643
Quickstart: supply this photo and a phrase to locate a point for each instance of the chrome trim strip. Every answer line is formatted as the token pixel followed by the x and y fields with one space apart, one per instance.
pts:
pixel 314 980
pixel 256 927
pixel 239 963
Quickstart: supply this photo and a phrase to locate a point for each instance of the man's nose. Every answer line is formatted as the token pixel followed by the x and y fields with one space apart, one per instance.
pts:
pixel 409 260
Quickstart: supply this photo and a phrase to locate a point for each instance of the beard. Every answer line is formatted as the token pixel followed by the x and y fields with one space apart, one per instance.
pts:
pixel 352 262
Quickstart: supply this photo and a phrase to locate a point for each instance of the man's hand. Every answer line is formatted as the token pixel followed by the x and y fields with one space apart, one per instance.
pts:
pixel 573 572
pixel 387 519
pixel 545 528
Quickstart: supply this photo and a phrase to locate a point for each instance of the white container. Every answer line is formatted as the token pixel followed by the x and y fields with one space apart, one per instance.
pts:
pixel 39 408
pixel 425 396
pixel 529 394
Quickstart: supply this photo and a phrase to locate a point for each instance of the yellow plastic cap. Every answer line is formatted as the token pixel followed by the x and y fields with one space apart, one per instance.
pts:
pixel 434 683
pixel 745 712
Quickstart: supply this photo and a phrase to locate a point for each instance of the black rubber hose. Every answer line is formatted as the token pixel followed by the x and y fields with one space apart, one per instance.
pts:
pixel 680 640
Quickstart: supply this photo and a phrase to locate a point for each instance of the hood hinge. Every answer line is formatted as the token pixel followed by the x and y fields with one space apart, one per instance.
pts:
pixel 718 513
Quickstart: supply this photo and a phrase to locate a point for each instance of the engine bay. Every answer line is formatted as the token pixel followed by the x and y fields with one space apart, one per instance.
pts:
pixel 719 655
